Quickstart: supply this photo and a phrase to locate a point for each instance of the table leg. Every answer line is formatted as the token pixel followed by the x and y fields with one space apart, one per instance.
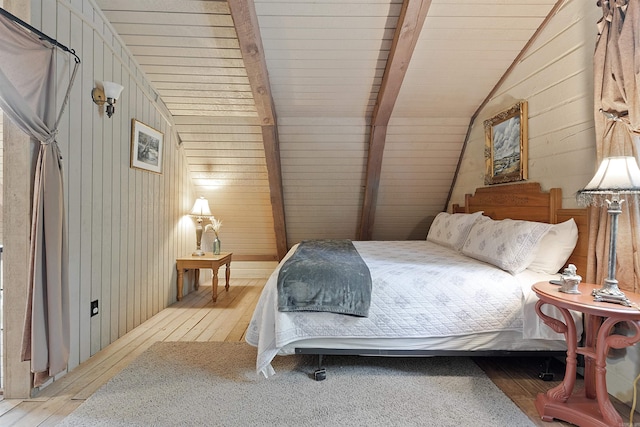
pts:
pixel 227 275
pixel 180 282
pixel 214 285
pixel 592 326
pixel 591 406
pixel 604 341
pixel 546 403
pixel 196 283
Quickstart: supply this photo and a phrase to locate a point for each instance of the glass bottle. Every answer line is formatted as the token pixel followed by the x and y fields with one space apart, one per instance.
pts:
pixel 216 246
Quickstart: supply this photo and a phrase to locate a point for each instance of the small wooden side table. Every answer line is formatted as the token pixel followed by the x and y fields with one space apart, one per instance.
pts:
pixel 208 260
pixel 591 406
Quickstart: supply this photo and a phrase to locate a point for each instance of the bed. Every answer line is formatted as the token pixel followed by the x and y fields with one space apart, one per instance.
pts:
pixel 444 295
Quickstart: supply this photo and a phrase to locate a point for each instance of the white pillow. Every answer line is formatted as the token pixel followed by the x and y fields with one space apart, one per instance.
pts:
pixel 451 230
pixel 555 248
pixel 507 244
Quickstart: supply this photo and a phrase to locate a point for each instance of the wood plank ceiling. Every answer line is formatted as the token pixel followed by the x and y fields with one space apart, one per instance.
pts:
pixel 323 118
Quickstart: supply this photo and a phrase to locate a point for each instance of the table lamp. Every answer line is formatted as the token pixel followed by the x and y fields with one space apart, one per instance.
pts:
pixel 615 176
pixel 200 211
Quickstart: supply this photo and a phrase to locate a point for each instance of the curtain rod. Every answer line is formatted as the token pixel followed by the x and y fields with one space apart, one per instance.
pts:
pixel 39 33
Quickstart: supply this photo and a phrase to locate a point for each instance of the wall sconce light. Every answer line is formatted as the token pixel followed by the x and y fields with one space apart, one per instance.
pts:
pixel 110 93
pixel 200 211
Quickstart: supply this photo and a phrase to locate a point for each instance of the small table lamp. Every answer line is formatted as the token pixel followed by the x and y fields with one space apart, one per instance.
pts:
pixel 199 212
pixel 615 176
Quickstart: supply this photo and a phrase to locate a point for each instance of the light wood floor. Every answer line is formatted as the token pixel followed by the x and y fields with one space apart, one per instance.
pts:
pixel 196 318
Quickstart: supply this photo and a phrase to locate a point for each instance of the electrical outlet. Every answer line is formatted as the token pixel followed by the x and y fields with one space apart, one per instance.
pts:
pixel 94 308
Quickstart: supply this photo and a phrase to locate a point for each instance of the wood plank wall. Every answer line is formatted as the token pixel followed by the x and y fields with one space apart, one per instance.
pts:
pixel 555 76
pixel 323 166
pixel 126 226
pixel 1 240
pixel 204 83
pixel 236 186
pixel 1 172
pixel 417 169
pixel 336 60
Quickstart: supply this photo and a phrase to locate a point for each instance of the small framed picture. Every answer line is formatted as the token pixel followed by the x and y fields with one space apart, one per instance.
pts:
pixel 506 145
pixel 146 147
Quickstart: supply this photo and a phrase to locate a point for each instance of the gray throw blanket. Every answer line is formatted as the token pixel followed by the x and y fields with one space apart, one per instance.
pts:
pixel 325 275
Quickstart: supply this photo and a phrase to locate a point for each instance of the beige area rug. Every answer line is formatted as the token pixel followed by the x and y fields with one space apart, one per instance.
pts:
pixel 215 384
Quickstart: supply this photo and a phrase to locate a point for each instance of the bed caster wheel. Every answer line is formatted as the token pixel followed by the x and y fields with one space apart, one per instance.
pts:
pixel 320 374
pixel 546 376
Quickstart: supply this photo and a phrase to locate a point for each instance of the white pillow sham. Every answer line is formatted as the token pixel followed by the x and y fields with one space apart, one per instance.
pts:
pixel 451 230
pixel 555 248
pixel 508 244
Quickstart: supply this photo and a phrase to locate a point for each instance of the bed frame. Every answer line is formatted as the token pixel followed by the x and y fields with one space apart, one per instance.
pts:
pixel 524 201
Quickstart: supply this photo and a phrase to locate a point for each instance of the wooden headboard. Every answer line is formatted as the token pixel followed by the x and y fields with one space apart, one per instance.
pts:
pixel 526 201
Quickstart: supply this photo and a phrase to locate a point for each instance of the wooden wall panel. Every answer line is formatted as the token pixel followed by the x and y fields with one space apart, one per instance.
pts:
pixel 191 54
pixel 232 176
pixel 1 179
pixel 323 166
pixel 430 121
pixel 1 235
pixel 15 256
pixel 125 226
pixel 326 62
pixel 555 76
pixel 419 162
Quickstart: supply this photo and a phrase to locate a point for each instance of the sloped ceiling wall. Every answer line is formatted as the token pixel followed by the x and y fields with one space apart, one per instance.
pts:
pixel 556 78
pixel 325 65
pixel 190 51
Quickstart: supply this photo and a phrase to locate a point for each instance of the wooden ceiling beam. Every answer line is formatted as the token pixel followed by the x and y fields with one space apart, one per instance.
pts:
pixel 410 22
pixel 245 19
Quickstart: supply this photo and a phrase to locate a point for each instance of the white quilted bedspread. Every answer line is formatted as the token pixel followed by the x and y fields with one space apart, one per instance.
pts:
pixel 420 289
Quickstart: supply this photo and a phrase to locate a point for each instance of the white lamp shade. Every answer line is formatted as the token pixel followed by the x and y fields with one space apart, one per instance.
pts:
pixel 615 175
pixel 112 90
pixel 201 207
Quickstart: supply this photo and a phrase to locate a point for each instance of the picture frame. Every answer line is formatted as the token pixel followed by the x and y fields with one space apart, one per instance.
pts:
pixel 506 145
pixel 147 147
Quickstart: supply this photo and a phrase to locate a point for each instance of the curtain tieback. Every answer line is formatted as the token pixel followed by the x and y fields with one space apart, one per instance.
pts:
pixel 51 138
pixel 611 116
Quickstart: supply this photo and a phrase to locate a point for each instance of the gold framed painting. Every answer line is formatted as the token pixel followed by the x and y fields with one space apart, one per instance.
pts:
pixel 506 145
pixel 146 147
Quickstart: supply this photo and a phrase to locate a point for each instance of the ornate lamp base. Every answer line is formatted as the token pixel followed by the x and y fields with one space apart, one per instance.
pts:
pixel 610 293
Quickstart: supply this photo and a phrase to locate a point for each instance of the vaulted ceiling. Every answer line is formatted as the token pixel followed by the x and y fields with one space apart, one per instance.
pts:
pixel 324 118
